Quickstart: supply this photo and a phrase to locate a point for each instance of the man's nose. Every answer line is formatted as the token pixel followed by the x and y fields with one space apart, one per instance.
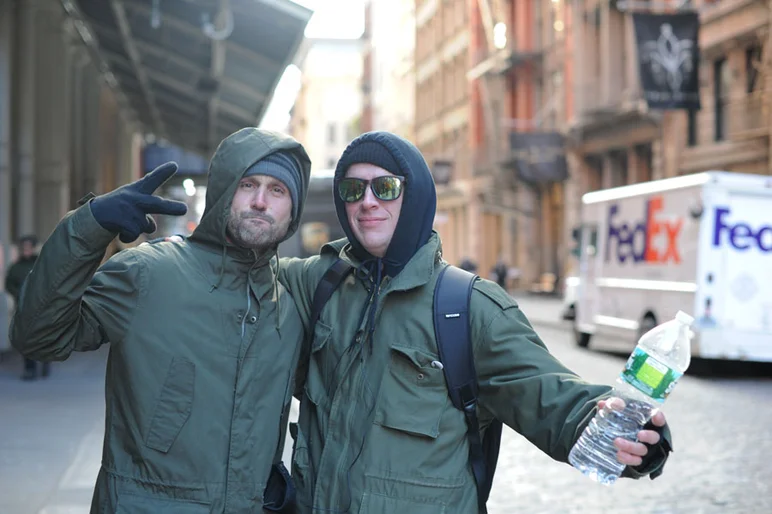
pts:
pixel 369 200
pixel 259 200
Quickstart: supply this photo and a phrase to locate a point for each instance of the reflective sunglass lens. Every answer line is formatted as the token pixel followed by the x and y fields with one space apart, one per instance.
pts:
pixel 351 190
pixel 387 188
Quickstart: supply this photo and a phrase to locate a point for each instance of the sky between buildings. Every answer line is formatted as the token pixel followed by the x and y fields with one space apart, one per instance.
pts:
pixel 342 19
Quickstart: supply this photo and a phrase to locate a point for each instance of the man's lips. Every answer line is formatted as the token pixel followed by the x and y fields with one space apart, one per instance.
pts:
pixel 262 220
pixel 366 222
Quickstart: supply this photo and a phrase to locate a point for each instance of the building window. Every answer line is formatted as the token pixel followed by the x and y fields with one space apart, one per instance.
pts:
pixel 752 63
pixel 692 127
pixel 331 135
pixel 720 89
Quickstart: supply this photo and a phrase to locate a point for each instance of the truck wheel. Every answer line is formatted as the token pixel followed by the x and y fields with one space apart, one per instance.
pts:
pixel 582 338
pixel 647 323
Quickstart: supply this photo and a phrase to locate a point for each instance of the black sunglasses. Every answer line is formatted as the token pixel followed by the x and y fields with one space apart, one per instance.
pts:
pixel 387 188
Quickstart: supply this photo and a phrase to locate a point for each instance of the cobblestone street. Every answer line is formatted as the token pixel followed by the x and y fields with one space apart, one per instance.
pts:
pixel 720 465
pixel 50 442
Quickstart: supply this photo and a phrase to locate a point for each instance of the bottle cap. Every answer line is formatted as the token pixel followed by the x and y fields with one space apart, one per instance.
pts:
pixel 684 318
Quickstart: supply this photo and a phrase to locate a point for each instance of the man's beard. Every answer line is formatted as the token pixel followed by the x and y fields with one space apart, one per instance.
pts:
pixel 245 233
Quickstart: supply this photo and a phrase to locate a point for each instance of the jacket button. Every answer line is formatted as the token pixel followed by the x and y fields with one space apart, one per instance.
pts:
pixel 252 319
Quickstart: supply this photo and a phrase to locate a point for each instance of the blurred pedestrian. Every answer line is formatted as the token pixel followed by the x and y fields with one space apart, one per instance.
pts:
pixel 499 273
pixel 14 281
pixel 468 264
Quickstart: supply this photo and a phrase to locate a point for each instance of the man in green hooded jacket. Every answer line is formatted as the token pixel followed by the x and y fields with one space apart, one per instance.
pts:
pixel 377 432
pixel 204 340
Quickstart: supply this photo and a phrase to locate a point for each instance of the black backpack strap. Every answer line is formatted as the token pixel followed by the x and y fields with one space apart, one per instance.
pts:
pixel 452 295
pixel 451 327
pixel 330 281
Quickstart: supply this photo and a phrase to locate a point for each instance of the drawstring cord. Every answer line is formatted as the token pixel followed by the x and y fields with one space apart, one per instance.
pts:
pixel 274 289
pixel 249 307
pixel 276 298
pixel 222 270
pixel 373 272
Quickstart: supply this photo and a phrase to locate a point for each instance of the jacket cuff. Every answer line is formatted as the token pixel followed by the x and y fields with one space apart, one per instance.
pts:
pixel 654 461
pixel 88 228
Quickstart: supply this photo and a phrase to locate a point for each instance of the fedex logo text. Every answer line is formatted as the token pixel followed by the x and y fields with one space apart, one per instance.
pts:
pixel 740 235
pixel 639 241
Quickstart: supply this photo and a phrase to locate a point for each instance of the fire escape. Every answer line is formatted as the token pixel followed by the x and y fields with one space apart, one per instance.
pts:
pixel 522 89
pixel 495 64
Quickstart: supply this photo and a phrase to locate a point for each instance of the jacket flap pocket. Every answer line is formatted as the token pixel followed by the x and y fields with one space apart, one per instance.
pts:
pixel 174 405
pixel 321 336
pixel 382 504
pixel 129 503
pixel 413 394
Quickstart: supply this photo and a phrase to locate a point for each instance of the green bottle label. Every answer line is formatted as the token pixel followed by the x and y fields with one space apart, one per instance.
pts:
pixel 650 376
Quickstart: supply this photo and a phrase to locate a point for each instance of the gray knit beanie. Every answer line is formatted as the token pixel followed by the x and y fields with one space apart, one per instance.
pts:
pixel 281 166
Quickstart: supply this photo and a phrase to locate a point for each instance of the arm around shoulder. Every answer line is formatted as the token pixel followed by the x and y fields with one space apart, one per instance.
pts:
pixel 300 277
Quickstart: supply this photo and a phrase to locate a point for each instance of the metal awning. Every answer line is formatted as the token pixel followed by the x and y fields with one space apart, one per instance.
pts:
pixel 193 71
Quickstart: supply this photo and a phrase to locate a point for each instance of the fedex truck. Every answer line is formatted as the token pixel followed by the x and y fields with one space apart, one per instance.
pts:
pixel 699 243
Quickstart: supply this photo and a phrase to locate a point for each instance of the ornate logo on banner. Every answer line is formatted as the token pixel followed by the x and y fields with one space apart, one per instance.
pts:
pixel 669 58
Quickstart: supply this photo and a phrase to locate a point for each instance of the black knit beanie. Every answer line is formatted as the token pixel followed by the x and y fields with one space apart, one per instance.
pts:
pixel 370 152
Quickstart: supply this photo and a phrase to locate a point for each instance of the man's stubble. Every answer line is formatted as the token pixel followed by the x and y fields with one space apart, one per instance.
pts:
pixel 260 237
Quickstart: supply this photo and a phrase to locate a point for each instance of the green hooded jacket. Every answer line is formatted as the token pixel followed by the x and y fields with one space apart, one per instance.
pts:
pixel 204 343
pixel 377 432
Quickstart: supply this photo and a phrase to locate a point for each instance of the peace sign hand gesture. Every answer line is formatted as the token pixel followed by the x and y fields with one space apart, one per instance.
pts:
pixel 126 210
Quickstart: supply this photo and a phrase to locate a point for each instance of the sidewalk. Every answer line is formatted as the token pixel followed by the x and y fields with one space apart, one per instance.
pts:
pixel 51 435
pixel 542 310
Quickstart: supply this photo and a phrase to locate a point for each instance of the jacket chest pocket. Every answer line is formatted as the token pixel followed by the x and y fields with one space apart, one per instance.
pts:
pixel 319 367
pixel 174 405
pixel 413 393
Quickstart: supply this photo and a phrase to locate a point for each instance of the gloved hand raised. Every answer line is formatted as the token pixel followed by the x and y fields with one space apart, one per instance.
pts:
pixel 126 210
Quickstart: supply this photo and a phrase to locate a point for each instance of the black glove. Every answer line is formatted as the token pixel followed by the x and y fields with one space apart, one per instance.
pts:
pixel 126 210
pixel 654 460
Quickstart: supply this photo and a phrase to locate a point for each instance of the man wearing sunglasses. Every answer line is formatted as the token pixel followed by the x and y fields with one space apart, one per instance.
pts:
pixel 377 432
pixel 204 341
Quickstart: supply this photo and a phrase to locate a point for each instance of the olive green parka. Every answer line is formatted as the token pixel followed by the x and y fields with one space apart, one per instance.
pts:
pixel 377 432
pixel 203 347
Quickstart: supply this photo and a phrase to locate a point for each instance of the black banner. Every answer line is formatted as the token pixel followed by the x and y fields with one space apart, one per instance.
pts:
pixel 538 157
pixel 668 59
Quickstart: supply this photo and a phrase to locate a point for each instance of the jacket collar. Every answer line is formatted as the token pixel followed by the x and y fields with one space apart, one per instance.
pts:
pixel 416 273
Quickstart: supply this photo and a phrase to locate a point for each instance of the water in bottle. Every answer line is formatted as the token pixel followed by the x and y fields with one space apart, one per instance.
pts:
pixel 658 361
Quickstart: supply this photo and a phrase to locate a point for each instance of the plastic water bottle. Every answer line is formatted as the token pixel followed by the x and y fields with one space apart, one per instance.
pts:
pixel 658 361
